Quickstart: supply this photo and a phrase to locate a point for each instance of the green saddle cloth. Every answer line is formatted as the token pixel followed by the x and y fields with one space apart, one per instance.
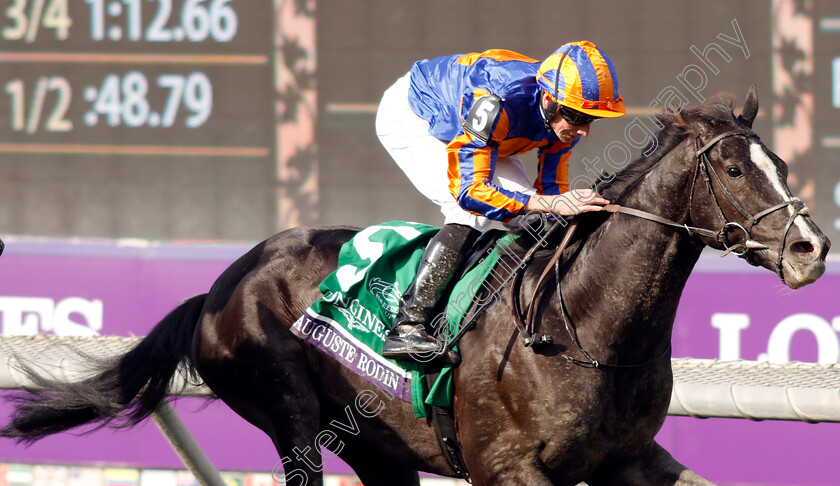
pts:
pixel 361 299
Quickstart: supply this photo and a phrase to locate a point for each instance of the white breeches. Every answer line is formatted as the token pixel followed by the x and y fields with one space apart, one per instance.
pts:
pixel 424 159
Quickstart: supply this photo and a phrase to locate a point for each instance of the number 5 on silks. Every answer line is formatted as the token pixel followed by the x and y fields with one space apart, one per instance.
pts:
pixel 482 117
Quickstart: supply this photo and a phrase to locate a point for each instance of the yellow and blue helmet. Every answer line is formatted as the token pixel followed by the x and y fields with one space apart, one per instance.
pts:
pixel 580 76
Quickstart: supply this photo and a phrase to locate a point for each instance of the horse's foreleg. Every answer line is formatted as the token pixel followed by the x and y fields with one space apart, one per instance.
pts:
pixel 656 467
pixel 526 473
pixel 373 471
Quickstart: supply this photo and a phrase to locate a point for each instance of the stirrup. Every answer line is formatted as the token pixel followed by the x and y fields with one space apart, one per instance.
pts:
pixel 412 342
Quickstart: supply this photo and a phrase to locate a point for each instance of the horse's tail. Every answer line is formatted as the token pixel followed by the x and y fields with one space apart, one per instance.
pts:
pixel 124 391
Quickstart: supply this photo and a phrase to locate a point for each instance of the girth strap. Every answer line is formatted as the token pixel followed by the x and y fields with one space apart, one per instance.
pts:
pixel 443 420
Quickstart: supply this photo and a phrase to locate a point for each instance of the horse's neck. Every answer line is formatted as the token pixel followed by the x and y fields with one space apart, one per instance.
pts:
pixel 628 277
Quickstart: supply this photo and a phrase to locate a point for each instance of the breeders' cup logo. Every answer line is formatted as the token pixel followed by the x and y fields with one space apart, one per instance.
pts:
pixel 352 323
pixel 387 294
pixel 357 316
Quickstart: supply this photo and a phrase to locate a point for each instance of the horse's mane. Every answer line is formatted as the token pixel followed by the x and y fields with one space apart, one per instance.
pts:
pixel 672 134
pixel 674 131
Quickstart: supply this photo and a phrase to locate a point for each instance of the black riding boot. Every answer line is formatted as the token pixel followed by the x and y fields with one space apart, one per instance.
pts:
pixel 409 338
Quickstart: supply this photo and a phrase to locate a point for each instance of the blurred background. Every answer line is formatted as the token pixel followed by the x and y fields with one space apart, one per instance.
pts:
pixel 158 140
pixel 227 122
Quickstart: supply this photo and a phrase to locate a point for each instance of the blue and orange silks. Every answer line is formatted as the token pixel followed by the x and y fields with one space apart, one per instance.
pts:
pixel 586 81
pixel 444 89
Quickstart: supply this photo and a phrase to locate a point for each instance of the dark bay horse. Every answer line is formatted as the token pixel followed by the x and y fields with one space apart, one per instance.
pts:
pixel 524 416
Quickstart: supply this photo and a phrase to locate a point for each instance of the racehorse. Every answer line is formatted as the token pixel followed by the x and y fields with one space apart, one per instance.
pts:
pixel 524 415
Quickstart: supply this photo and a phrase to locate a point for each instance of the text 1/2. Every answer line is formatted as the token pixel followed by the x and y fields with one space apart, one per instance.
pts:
pixel 45 108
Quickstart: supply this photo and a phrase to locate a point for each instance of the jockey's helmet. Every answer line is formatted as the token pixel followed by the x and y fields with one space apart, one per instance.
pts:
pixel 580 76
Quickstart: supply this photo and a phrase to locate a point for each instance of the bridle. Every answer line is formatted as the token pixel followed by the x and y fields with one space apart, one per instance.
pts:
pixel 799 208
pixel 743 250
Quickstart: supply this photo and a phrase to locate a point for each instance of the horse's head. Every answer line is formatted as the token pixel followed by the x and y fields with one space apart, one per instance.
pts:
pixel 741 187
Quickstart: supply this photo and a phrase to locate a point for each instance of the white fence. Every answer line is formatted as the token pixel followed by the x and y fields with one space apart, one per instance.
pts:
pixel 702 388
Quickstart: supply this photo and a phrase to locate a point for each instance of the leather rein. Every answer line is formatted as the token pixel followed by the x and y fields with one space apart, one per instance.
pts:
pixel 527 326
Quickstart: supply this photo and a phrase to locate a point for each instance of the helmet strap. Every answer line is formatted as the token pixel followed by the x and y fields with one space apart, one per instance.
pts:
pixel 549 112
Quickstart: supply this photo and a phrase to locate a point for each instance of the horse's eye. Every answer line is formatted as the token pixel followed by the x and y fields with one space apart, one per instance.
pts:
pixel 734 171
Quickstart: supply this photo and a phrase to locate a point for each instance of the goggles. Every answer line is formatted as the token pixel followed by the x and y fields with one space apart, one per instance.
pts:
pixel 574 117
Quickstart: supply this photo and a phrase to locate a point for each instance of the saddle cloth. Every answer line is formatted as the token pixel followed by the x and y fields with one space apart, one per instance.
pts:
pixel 361 299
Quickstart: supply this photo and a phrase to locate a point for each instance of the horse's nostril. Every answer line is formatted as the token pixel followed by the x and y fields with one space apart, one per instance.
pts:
pixel 802 247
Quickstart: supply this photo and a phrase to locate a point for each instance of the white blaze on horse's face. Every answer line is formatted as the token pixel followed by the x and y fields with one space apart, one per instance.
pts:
pixel 760 158
pixel 800 273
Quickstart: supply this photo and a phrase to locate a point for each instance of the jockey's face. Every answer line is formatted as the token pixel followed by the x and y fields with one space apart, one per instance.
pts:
pixel 564 130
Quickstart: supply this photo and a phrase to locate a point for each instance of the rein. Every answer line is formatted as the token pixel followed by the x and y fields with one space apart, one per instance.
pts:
pixel 528 327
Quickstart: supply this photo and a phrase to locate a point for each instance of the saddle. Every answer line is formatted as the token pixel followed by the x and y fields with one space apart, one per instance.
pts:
pixel 361 298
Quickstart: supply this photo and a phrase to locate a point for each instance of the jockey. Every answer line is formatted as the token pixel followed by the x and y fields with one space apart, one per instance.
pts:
pixel 456 126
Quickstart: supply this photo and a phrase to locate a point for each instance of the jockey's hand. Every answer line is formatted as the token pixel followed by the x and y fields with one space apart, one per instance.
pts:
pixel 568 203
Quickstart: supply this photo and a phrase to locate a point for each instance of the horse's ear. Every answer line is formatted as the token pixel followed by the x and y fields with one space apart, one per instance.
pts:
pixel 724 98
pixel 747 115
pixel 696 120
